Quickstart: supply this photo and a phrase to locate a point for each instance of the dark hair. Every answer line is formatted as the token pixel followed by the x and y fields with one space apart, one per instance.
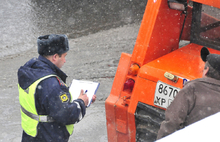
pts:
pixel 212 72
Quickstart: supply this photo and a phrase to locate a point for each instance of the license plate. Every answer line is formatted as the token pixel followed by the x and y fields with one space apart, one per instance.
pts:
pixel 164 94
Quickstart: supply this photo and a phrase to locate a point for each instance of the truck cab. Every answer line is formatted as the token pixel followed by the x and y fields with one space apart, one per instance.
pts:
pixel 165 56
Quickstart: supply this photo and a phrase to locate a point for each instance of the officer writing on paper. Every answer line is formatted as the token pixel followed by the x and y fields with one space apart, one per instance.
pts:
pixel 198 99
pixel 47 111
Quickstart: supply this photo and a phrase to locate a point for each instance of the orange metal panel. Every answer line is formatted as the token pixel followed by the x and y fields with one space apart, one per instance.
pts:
pixel 145 92
pixel 110 117
pixel 214 3
pixel 122 137
pixel 121 121
pixel 159 32
pixel 131 126
pixel 121 126
pixel 184 62
pixel 151 72
pixel 121 73
pixel 112 110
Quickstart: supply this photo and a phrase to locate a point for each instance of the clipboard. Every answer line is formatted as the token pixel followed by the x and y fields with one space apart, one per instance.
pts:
pixel 89 87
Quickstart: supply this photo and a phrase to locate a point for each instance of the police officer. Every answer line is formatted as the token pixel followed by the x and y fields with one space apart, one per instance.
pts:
pixel 47 110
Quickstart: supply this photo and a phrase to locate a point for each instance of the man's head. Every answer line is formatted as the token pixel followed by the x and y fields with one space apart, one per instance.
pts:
pixel 212 64
pixel 54 48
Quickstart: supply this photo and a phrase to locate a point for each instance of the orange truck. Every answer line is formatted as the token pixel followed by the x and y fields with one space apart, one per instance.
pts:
pixel 148 80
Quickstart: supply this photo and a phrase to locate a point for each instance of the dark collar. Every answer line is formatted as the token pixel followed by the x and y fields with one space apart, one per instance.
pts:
pixel 58 72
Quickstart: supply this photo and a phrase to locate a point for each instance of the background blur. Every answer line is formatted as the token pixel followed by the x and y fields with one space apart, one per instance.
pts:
pixel 24 20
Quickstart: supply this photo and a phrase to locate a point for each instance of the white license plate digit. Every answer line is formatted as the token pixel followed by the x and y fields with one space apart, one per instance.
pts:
pixel 164 94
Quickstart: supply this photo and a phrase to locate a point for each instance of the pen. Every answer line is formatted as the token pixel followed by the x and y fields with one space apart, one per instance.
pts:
pixel 85 91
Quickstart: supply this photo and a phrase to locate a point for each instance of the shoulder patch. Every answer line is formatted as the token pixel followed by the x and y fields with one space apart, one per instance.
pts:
pixel 61 82
pixel 64 98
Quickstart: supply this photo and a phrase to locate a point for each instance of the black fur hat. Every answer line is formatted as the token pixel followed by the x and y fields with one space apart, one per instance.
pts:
pixel 212 59
pixel 52 44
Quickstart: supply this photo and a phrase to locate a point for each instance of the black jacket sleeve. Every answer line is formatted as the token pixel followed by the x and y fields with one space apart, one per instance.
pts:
pixel 53 99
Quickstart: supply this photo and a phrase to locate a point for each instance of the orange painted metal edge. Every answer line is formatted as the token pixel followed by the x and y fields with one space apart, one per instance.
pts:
pixel 145 31
pixel 114 96
pixel 214 3
pixel 147 44
pixel 158 21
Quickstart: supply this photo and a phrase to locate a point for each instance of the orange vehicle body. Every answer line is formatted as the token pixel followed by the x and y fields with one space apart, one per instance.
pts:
pixel 156 52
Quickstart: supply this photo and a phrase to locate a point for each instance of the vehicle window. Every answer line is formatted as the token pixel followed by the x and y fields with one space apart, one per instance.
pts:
pixel 206 26
pixel 210 24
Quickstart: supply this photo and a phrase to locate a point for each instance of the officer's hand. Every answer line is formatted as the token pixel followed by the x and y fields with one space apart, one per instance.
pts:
pixel 84 98
pixel 93 98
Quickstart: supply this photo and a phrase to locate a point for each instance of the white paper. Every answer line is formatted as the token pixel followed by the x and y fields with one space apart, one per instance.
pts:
pixel 88 87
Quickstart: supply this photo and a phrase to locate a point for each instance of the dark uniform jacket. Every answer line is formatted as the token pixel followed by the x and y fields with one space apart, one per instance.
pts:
pixel 48 100
pixel 198 99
